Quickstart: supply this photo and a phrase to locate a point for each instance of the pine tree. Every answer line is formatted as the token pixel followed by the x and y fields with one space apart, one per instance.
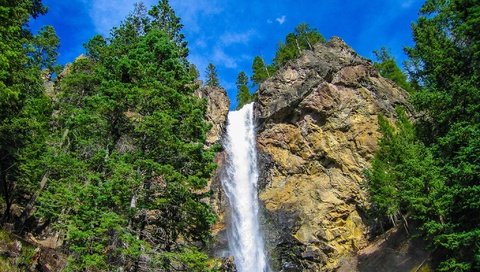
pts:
pixel 212 78
pixel 307 37
pixel 243 94
pixel 388 68
pixel 164 18
pixel 303 38
pixel 25 109
pixel 260 70
pixel 129 122
pixel 404 178
pixel 436 180
pixel 445 61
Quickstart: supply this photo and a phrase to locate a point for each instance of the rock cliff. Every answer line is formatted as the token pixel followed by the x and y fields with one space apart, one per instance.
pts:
pixel 217 111
pixel 218 106
pixel 318 131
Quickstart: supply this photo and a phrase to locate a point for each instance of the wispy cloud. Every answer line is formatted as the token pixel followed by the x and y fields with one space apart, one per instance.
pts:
pixel 191 11
pixel 107 14
pixel 407 3
pixel 281 19
pixel 237 38
pixel 219 56
pixel 200 43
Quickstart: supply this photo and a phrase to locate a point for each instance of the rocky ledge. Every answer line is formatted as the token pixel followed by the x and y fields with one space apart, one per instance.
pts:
pixel 318 131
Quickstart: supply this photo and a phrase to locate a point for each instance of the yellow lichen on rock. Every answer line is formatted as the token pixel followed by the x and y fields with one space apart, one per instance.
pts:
pixel 319 131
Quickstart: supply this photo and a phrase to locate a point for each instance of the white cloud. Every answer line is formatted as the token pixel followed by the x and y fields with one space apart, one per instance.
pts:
pixel 234 38
pixel 221 58
pixel 407 3
pixel 107 14
pixel 281 19
pixel 190 11
pixel 200 43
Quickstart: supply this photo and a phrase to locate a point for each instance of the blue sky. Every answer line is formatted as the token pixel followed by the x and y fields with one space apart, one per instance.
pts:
pixel 230 33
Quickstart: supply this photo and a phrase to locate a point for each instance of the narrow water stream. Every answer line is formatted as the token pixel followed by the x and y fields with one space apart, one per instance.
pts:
pixel 240 182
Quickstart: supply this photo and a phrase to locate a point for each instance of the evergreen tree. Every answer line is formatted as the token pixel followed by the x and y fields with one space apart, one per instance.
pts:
pixel 437 181
pixel 287 51
pixel 212 78
pixel 164 18
pixel 303 38
pixel 193 71
pixel 25 109
pixel 243 94
pixel 445 60
pixel 129 123
pixel 260 70
pixel 404 178
pixel 388 68
pixel 307 37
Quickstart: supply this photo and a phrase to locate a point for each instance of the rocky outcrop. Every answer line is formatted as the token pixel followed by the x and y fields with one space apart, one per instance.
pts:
pixel 25 254
pixel 218 106
pixel 217 111
pixel 318 131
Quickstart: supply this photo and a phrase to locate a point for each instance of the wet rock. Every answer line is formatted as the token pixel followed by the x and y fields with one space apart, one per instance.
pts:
pixel 228 265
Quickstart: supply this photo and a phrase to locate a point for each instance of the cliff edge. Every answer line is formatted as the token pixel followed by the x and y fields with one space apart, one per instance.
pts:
pixel 318 131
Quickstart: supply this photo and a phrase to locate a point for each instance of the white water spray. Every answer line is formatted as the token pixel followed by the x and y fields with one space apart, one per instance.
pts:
pixel 240 183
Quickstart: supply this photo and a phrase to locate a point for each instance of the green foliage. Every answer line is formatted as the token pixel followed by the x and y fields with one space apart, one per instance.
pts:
pixel 303 38
pixel 123 156
pixel 25 109
pixel 404 177
pixel 165 19
pixel 388 68
pixel 46 44
pixel 243 96
pixel 446 62
pixel 261 71
pixel 95 47
pixel 212 77
pixel 194 73
pixel 189 259
pixel 307 37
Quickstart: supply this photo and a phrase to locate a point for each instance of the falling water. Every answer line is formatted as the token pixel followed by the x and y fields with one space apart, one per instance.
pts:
pixel 240 183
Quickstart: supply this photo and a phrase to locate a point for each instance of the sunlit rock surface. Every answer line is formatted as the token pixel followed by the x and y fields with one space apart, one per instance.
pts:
pixel 317 132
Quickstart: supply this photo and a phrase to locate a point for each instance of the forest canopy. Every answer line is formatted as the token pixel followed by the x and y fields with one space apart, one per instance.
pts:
pixel 112 156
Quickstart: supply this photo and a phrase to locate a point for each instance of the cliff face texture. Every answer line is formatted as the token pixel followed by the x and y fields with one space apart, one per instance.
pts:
pixel 218 106
pixel 318 131
pixel 217 111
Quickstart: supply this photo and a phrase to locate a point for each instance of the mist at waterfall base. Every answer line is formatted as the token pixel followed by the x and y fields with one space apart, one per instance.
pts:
pixel 240 184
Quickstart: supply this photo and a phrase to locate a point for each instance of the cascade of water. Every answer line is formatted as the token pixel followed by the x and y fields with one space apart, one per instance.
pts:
pixel 240 183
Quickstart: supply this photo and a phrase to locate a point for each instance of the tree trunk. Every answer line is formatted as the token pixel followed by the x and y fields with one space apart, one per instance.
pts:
pixel 298 46
pixel 266 69
pixel 308 42
pixel 28 209
pixel 6 196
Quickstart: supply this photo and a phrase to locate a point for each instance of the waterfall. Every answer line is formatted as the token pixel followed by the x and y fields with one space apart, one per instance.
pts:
pixel 240 184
